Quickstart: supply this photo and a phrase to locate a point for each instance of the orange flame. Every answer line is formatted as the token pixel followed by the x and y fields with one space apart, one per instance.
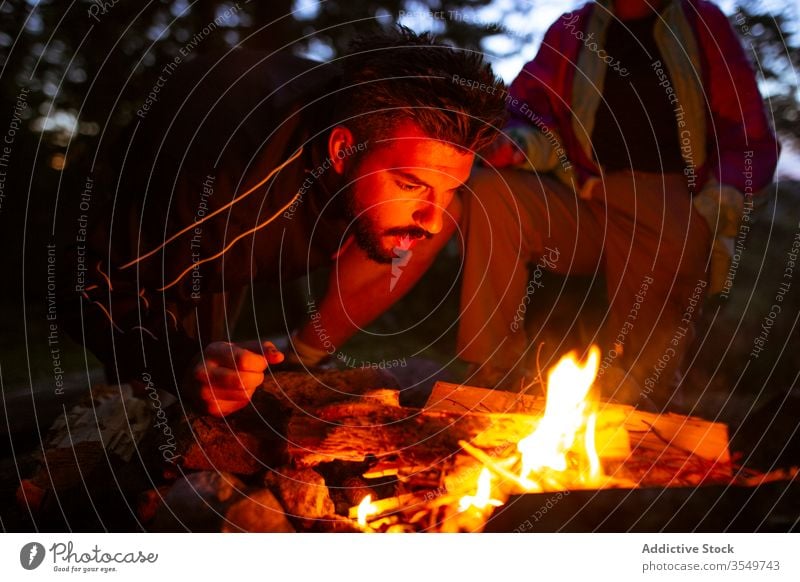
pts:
pixel 595 470
pixel 483 495
pixel 365 509
pixel 567 413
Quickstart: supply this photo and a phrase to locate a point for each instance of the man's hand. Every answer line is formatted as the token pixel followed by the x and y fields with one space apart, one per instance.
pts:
pixel 721 206
pixel 502 152
pixel 226 375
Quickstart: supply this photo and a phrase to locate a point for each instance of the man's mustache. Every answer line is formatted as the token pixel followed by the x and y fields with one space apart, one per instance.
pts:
pixel 411 232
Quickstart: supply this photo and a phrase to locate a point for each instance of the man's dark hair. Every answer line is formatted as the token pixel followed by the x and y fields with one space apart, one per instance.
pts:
pixel 401 75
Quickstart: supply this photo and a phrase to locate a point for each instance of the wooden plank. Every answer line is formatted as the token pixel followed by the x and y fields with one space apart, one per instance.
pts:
pixel 447 397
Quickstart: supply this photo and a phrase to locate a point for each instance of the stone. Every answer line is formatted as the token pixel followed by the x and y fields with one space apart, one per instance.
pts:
pixel 257 512
pixel 197 502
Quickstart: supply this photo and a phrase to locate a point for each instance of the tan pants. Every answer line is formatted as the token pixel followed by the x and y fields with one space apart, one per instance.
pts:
pixel 639 230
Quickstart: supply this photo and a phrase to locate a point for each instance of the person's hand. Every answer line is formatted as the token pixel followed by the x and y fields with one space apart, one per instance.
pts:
pixel 226 375
pixel 502 152
pixel 721 206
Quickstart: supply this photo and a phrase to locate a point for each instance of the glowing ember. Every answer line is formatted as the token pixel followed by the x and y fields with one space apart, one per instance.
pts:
pixel 483 495
pixel 365 509
pixel 567 413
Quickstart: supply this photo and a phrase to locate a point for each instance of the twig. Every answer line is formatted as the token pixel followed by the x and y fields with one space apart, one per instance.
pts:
pixel 537 379
pixel 490 463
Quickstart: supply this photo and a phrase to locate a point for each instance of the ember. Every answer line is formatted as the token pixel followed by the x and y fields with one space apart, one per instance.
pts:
pixel 365 509
pixel 483 496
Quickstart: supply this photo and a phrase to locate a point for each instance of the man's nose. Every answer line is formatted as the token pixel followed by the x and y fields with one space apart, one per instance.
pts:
pixel 429 217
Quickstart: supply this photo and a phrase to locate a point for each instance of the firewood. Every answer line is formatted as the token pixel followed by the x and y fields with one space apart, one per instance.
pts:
pixel 382 470
pixel 390 505
pixel 252 439
pixel 301 390
pixel 654 432
pixel 447 397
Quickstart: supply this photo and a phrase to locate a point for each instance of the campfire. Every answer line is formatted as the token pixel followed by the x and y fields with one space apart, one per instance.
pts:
pixel 560 453
pixel 458 461
pixel 338 452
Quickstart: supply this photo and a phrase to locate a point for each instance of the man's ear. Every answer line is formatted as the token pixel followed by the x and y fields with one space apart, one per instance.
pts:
pixel 339 144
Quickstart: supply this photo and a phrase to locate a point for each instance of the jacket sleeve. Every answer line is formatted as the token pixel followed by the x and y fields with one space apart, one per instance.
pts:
pixel 744 147
pixel 136 335
pixel 182 195
pixel 124 315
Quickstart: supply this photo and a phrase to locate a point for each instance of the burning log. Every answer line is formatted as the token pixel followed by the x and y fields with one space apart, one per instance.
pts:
pixel 514 445
pixel 356 489
pixel 386 514
pixel 471 450
pixel 350 431
pixel 653 432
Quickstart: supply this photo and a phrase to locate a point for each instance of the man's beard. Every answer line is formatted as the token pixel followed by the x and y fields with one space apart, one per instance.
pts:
pixel 369 237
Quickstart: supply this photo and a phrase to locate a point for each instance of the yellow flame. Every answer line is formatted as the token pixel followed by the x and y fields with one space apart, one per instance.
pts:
pixel 566 413
pixel 365 509
pixel 595 470
pixel 483 494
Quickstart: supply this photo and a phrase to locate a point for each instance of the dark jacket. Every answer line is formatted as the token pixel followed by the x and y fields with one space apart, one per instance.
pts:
pixel 216 128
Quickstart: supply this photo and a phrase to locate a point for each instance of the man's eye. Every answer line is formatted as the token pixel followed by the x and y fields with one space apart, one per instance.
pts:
pixel 407 187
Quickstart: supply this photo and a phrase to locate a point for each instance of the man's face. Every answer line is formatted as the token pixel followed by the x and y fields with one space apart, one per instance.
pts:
pixel 400 188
